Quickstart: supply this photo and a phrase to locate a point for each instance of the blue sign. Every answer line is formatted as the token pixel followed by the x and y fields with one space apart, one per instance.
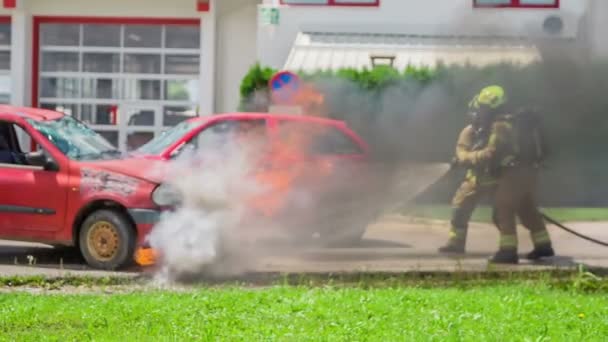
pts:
pixel 284 86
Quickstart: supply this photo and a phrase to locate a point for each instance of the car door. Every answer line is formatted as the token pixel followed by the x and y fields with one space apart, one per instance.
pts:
pixel 326 146
pixel 32 199
pixel 335 165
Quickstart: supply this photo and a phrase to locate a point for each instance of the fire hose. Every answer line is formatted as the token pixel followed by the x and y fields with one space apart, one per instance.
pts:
pixel 547 218
pixel 584 237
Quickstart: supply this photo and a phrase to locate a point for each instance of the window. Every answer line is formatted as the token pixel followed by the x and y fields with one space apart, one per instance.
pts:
pixel 232 131
pixel 332 2
pixel 101 62
pixel 15 144
pixel 173 115
pixel 5 60
pixel 517 3
pixel 183 37
pixel 317 139
pixel 332 141
pixel 159 144
pixel 101 35
pixel 7 144
pixel 90 69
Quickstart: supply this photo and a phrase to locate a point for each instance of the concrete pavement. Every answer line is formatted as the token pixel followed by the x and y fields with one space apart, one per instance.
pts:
pixel 394 244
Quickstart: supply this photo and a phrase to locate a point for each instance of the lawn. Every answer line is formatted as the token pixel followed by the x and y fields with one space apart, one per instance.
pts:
pixel 509 311
pixel 484 214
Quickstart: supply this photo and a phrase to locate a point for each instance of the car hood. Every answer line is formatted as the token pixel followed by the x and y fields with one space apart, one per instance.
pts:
pixel 149 170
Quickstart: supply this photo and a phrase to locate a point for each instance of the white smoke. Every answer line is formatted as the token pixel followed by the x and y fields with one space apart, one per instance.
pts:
pixel 214 185
pixel 215 230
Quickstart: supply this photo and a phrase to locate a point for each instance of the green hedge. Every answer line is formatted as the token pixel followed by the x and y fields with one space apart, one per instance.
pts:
pixel 417 113
pixel 254 84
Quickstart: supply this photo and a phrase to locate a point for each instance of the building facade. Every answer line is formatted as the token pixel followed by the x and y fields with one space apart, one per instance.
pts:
pixel 328 34
pixel 128 68
pixel 132 68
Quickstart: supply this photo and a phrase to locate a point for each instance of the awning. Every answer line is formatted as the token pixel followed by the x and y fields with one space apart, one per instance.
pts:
pixel 314 51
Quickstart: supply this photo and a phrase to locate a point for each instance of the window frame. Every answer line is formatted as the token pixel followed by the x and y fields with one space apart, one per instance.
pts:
pixel 518 4
pixel 36 47
pixel 125 85
pixel 334 3
pixel 8 48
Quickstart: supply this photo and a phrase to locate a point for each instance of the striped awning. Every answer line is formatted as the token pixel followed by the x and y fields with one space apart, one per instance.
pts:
pixel 313 51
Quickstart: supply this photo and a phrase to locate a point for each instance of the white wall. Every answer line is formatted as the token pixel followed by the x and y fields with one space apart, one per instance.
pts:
pixel 598 28
pixel 425 17
pixel 236 50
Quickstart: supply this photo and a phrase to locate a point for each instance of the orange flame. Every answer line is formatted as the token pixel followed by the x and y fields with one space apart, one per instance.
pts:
pixel 285 165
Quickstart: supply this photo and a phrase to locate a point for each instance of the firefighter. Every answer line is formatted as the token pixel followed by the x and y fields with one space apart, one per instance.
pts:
pixel 515 194
pixel 476 185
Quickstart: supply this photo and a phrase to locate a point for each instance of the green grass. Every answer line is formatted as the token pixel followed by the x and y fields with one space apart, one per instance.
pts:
pixel 519 310
pixel 484 214
pixel 58 282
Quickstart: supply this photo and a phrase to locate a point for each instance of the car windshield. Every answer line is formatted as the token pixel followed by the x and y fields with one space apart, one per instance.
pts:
pixel 159 144
pixel 76 140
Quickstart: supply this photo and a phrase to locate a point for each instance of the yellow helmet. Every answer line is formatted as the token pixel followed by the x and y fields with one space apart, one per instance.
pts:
pixel 492 97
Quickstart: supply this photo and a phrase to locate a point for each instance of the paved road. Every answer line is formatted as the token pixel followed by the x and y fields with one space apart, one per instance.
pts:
pixel 394 244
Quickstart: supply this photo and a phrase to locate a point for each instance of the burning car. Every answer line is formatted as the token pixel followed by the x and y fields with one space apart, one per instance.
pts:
pixel 297 158
pixel 65 185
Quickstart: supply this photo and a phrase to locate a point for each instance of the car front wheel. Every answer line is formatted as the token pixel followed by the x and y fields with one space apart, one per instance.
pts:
pixel 107 240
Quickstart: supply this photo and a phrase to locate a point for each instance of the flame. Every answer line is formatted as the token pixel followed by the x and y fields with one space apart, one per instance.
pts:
pixel 145 256
pixel 311 101
pixel 280 169
pixel 285 165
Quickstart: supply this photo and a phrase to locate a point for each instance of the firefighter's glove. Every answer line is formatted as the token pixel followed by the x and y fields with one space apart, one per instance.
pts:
pixel 455 163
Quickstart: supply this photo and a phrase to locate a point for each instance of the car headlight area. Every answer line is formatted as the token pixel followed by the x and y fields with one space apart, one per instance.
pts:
pixel 165 196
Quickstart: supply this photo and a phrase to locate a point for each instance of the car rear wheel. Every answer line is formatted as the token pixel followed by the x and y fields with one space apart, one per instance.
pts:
pixel 107 240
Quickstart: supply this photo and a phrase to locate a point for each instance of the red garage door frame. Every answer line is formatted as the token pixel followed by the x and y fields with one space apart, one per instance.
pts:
pixel 9 3
pixel 38 20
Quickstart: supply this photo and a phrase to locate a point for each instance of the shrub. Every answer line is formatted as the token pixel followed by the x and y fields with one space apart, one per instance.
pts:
pixel 254 88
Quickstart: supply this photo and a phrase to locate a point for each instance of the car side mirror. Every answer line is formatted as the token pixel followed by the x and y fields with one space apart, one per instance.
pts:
pixel 40 159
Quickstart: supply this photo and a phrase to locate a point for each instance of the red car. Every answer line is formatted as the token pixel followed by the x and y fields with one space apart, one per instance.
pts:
pixel 63 184
pixel 307 151
pixel 338 140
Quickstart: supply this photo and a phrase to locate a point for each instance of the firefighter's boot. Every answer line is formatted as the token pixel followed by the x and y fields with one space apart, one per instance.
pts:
pixel 542 245
pixel 505 256
pixel 452 248
pixel 456 244
pixel 507 253
pixel 542 251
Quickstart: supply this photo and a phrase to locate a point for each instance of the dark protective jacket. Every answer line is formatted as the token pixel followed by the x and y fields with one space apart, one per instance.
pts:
pixel 484 163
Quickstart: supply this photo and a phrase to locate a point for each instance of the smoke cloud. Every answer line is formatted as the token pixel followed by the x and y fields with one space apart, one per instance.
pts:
pixel 214 185
pixel 242 198
pixel 408 119
pixel 412 125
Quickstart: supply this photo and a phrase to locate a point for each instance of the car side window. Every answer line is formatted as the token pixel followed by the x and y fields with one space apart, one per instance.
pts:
pixel 6 153
pixel 318 139
pixel 228 131
pixel 332 141
pixel 221 133
pixel 24 141
pixel 15 144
